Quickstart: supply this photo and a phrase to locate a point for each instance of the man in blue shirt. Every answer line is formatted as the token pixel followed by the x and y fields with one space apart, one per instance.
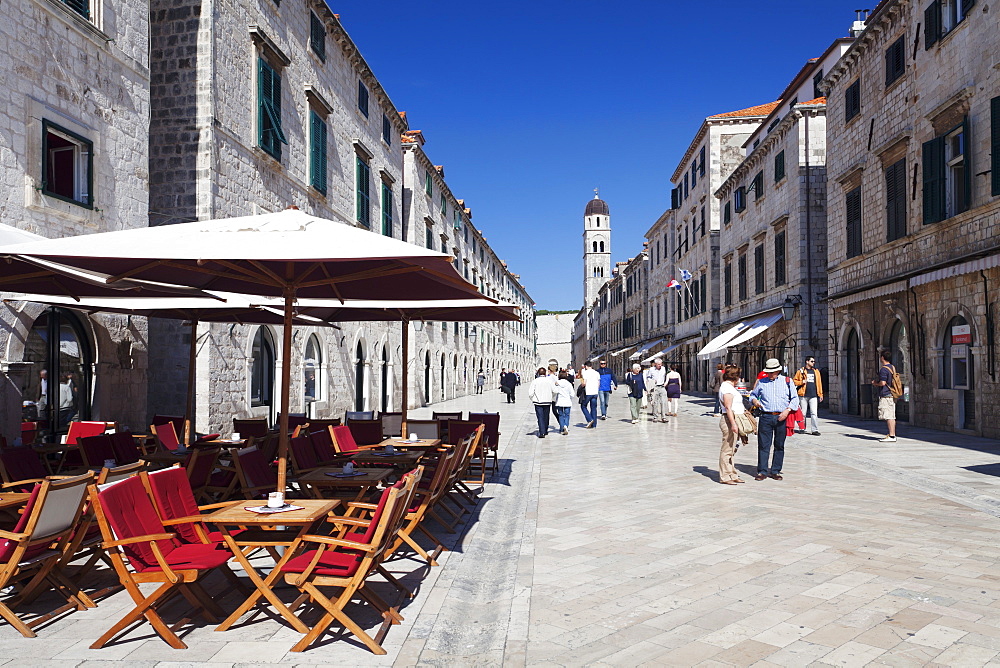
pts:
pixel 776 396
pixel 607 385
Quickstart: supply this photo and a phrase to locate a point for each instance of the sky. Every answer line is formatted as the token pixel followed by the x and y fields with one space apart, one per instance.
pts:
pixel 531 105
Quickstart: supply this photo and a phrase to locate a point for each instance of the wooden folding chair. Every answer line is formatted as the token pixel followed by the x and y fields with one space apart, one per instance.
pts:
pixel 358 415
pixel 34 549
pixel 124 447
pixel 427 429
pixel 21 469
pixel 256 427
pixel 392 424
pixel 490 444
pixel 366 432
pixel 96 450
pixel 254 472
pixel 345 564
pixel 199 466
pixel 142 551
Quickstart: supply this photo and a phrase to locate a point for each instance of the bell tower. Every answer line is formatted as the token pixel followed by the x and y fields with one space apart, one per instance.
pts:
pixel 596 248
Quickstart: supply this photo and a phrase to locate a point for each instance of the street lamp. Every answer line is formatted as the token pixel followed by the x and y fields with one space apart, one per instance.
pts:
pixel 705 331
pixel 788 308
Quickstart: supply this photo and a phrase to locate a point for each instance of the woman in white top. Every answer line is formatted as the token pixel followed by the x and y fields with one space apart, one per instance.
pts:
pixel 732 405
pixel 564 401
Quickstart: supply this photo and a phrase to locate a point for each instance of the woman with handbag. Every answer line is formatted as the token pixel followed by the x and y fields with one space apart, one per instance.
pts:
pixel 735 423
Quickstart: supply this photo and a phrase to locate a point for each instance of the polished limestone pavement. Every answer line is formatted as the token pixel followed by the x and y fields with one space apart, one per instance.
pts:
pixel 617 546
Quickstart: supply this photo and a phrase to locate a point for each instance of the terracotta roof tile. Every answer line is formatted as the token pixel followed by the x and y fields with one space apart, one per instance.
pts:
pixel 818 100
pixel 759 110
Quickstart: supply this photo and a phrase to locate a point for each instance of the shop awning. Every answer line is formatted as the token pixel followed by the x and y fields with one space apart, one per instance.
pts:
pixel 619 352
pixel 755 328
pixel 637 354
pixel 661 353
pixel 719 343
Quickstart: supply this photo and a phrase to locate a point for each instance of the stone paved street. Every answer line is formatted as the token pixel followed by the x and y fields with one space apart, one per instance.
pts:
pixel 617 547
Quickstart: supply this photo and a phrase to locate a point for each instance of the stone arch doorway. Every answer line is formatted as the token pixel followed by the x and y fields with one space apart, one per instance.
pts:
pixel 958 370
pixel 62 361
pixel 852 373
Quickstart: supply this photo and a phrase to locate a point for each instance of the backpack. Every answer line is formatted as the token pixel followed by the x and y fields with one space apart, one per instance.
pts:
pixel 895 384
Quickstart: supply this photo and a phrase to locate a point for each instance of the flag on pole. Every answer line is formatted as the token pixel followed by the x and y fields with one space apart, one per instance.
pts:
pixel 685 275
pixel 674 283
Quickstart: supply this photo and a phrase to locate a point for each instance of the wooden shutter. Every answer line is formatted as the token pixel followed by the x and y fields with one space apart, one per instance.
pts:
pixel 779 258
pixel 852 100
pixel 779 166
pixel 362 98
pixel 758 269
pixel 895 61
pixel 727 213
pixel 701 162
pixel 995 145
pixel 704 293
pixel 317 36
pixel 934 181
pixel 932 24
pixel 895 200
pixel 728 280
pixel 675 200
pixel 853 216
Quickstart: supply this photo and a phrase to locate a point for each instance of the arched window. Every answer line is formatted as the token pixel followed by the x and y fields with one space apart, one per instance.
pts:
pixel 957 359
pixel 61 362
pixel 359 377
pixel 427 378
pixel 262 368
pixel 852 372
pixel 312 368
pixel 602 246
pixel 386 377
pixel 595 246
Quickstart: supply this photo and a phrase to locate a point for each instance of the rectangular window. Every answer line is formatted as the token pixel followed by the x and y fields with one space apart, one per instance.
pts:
pixel 386 130
pixel 742 270
pixel 387 209
pixel 363 174
pixel 701 162
pixel 362 98
pixel 947 179
pixel 895 200
pixel 740 199
pixel 758 269
pixel 81 7
pixel 702 223
pixel 779 258
pixel 895 60
pixel 68 162
pixel 995 145
pixel 704 293
pixel 694 174
pixel 852 100
pixel 675 198
pixel 758 186
pixel 317 36
pixel 428 183
pixel 727 213
pixel 816 79
pixel 685 185
pixel 942 16
pixel 429 237
pixel 779 166
pixel 727 284
pixel 270 136
pixel 852 206
pixel 444 206
pixel 317 151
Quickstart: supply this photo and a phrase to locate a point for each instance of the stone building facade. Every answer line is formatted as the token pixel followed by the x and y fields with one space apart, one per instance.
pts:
pixel 555 338
pixel 913 130
pixel 773 234
pixel 73 160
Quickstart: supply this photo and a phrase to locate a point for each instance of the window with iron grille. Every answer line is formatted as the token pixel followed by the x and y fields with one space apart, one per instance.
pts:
pixel 779 258
pixel 67 165
pixel 895 200
pixel 779 166
pixel 317 151
pixel 758 269
pixel 362 98
pixel 852 206
pixel 742 271
pixel 852 100
pixel 387 209
pixel 363 174
pixel 317 36
pixel 270 136
pixel 895 60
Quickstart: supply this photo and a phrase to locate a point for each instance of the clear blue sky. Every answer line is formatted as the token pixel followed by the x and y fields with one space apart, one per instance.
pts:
pixel 531 105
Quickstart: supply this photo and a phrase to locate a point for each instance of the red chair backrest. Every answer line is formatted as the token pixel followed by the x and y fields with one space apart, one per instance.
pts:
pixel 29 432
pixel 96 449
pixel 256 469
pixel 294 420
pixel 200 464
pixel 303 453
pixel 491 422
pixel 366 537
pixel 322 443
pixel 343 440
pixel 250 427
pixel 22 464
pixel 366 432
pixel 167 436
pixel 124 448
pixel 174 499
pixel 129 512
pixel 78 430
pixel 459 429
pixel 176 420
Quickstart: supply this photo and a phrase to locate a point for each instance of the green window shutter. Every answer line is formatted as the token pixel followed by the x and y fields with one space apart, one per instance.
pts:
pixel 386 210
pixel 317 36
pixel 934 181
pixel 727 213
pixel 317 152
pixel 363 176
pixel 853 217
pixel 81 7
pixel 779 258
pixel 269 133
pixel 995 145
pixel 932 24
pixel 895 200
pixel 779 166
pixel 895 61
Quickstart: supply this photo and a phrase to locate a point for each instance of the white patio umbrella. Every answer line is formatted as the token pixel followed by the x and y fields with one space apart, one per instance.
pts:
pixel 291 254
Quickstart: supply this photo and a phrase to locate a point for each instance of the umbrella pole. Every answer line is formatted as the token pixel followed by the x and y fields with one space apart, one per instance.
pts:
pixel 192 361
pixel 406 372
pixel 286 389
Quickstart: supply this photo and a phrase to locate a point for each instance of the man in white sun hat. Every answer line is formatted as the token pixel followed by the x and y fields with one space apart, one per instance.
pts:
pixel 776 396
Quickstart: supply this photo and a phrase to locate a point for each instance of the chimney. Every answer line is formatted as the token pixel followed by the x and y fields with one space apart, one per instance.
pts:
pixel 860 16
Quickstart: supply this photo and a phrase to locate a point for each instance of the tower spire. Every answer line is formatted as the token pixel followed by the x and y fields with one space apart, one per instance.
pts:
pixel 597 193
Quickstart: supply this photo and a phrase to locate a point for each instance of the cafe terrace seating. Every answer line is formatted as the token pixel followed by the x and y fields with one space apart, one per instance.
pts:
pixel 366 432
pixel 392 424
pixel 256 427
pixel 21 468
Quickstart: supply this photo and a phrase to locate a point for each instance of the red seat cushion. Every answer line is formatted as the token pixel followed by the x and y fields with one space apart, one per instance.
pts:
pixel 207 437
pixel 337 564
pixel 192 555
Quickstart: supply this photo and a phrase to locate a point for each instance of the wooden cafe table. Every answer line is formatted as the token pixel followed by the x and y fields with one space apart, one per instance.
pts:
pixel 408 445
pixel 325 478
pixel 256 536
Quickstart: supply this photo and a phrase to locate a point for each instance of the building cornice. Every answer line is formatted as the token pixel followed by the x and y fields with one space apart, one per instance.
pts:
pixel 702 131
pixel 886 10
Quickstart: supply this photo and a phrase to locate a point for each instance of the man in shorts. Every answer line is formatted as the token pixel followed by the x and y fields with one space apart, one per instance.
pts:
pixel 886 402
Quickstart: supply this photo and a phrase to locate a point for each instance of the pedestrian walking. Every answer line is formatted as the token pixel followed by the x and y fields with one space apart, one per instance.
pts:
pixel 591 382
pixel 731 402
pixel 810 385
pixel 656 382
pixel 713 386
pixel 563 401
pixel 480 381
pixel 886 402
pixel 608 385
pixel 508 381
pixel 541 393
pixel 673 390
pixel 636 383
pixel 553 372
pixel 776 397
